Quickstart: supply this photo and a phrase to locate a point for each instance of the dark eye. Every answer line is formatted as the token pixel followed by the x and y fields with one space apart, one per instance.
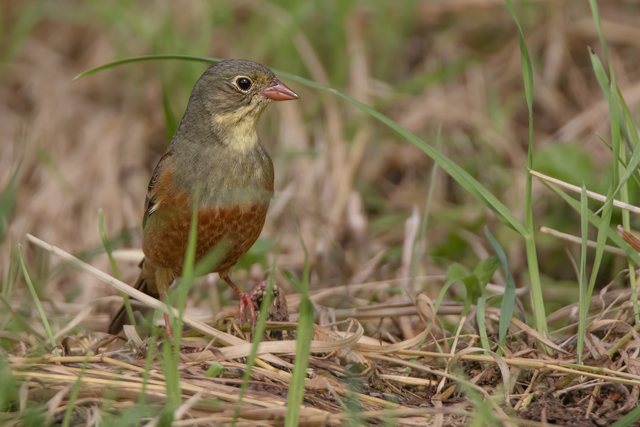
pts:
pixel 244 83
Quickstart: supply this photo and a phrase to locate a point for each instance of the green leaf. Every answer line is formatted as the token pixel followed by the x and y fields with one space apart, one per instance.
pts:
pixel 482 327
pixel 601 74
pixel 456 272
pixel 292 279
pixel 459 273
pixel 485 270
pixel 215 370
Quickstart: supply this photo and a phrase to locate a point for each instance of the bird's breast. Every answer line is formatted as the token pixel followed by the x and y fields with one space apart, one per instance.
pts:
pixel 229 232
pixel 224 176
pixel 234 192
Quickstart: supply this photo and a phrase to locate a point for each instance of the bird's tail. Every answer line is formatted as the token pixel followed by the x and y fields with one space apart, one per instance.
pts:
pixel 121 318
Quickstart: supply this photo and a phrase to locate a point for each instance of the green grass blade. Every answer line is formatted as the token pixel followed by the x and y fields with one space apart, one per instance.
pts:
pixel 36 302
pixel 420 244
pixel 73 397
pixel 304 335
pixel 600 73
pixel 171 370
pixel 537 298
pixel 634 145
pixel 171 348
pixel 172 352
pixel 481 308
pixel 509 298
pixel 595 220
pixel 456 273
pixel 148 365
pixel 630 419
pixel 610 92
pixel 621 125
pixel 188 269
pixel 303 346
pixel 583 303
pixel 607 208
pixel 595 12
pixel 8 202
pixel 142 58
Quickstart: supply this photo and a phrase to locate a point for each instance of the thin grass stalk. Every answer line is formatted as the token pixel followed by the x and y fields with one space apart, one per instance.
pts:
pixel 420 244
pixel 481 306
pixel 595 220
pixel 610 91
pixel 626 225
pixel 632 168
pixel 583 302
pixel 508 299
pixel 595 12
pixel 607 209
pixel 37 303
pixel 537 298
pixel 304 335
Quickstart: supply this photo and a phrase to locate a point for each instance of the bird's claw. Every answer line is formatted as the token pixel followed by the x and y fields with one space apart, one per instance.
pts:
pixel 246 302
pixel 250 300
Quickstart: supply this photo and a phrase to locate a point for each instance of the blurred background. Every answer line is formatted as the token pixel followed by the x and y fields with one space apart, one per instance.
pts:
pixel 352 190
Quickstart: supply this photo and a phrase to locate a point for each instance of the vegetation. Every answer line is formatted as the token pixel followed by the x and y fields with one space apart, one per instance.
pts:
pixel 451 231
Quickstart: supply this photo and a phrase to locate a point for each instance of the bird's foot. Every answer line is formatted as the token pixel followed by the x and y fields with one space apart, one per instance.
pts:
pixel 246 303
pixel 250 300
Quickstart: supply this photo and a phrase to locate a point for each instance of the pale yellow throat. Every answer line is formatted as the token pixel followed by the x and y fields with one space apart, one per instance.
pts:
pixel 239 127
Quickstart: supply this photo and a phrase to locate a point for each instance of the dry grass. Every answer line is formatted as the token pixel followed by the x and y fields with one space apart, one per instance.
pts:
pixel 350 190
pixel 391 376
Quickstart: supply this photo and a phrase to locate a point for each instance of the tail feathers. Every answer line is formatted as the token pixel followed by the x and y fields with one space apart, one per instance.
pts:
pixel 121 318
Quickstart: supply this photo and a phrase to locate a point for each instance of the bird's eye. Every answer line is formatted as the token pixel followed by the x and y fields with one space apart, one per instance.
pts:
pixel 243 83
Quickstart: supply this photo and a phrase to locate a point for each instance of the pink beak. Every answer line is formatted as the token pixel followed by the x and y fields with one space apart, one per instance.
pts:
pixel 279 92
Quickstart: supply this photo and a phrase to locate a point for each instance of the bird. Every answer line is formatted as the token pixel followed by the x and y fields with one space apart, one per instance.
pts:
pixel 216 156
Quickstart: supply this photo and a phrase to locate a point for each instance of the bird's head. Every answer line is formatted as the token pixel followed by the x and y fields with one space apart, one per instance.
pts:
pixel 234 93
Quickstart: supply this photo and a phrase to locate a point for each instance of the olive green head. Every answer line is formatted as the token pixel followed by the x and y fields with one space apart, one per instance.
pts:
pixel 227 101
pixel 238 88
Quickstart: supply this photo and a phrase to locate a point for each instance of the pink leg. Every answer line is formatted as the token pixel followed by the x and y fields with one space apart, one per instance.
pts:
pixel 167 325
pixel 246 301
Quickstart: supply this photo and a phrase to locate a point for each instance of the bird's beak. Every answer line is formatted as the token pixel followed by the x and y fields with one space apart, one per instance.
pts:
pixel 279 92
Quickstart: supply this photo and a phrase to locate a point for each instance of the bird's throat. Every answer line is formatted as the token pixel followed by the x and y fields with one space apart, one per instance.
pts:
pixel 237 129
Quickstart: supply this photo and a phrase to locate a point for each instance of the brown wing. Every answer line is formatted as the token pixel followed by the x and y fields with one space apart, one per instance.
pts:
pixel 151 202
